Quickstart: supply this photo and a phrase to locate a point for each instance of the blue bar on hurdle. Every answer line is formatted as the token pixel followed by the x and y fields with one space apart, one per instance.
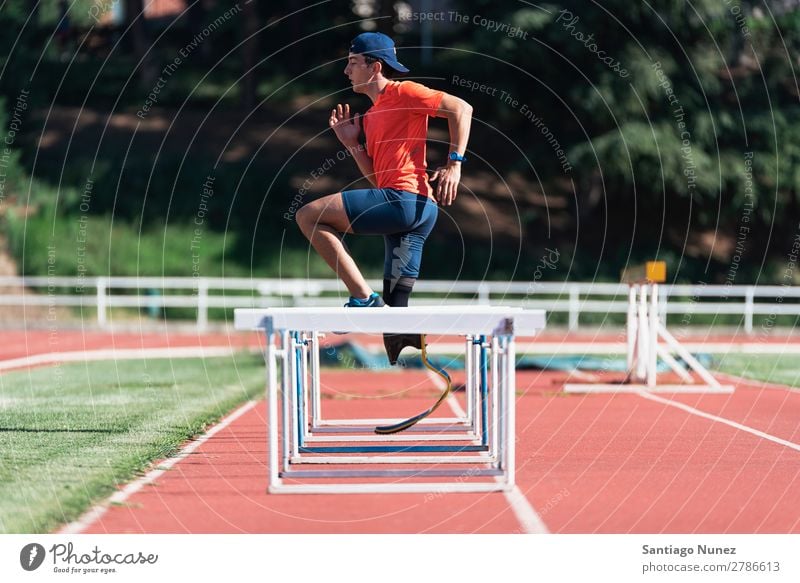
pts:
pixel 393 449
pixel 300 382
pixel 484 366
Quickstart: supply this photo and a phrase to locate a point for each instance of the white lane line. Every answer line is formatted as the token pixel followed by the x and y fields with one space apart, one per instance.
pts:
pixel 734 424
pixel 755 382
pixel 455 406
pixel 530 521
pixel 525 514
pixel 91 516
pixel 438 381
pixel 118 354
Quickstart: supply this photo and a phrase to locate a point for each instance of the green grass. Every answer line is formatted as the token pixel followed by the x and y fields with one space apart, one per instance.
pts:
pixel 772 368
pixel 68 245
pixel 70 434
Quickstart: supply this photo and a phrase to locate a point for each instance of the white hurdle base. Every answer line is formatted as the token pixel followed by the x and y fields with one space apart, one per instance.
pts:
pixel 631 388
pixel 644 330
pixel 394 488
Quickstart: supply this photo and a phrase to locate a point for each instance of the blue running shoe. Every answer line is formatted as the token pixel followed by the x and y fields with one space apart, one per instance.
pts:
pixel 373 301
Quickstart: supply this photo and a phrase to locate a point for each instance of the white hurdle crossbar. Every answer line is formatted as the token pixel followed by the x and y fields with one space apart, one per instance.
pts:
pixel 477 448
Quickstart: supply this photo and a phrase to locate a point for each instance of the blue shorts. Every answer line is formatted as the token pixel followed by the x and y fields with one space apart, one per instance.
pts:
pixel 405 219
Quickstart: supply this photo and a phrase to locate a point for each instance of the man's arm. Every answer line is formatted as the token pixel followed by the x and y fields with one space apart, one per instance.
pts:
pixel 359 153
pixel 347 129
pixel 459 119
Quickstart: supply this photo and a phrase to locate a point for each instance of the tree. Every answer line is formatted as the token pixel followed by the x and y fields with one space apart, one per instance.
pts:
pixel 135 20
pixel 249 50
pixel 664 110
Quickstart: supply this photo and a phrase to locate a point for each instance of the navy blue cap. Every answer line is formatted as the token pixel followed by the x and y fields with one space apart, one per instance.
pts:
pixel 378 46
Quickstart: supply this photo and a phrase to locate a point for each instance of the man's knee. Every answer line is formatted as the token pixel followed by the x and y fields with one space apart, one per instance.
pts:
pixel 306 217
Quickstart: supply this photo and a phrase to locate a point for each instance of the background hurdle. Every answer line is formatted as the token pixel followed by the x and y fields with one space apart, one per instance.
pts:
pixel 496 401
pixel 643 330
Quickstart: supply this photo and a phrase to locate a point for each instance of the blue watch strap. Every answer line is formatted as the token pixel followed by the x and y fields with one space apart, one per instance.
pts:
pixel 457 157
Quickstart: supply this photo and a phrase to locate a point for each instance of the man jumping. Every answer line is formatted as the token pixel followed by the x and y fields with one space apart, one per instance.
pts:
pixel 402 207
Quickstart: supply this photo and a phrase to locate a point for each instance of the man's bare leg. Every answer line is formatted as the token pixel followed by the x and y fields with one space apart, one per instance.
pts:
pixel 321 222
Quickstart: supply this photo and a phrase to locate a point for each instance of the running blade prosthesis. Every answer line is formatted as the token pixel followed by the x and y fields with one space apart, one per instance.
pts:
pixel 403 425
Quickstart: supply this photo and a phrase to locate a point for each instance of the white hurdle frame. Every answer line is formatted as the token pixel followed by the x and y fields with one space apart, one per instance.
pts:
pixel 644 330
pixel 431 429
pixel 320 429
pixel 489 430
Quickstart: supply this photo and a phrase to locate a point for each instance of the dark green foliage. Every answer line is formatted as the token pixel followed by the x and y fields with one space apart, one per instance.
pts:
pixel 661 128
pixel 708 87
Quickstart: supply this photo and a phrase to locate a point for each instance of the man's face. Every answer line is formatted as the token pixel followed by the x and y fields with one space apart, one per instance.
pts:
pixel 359 72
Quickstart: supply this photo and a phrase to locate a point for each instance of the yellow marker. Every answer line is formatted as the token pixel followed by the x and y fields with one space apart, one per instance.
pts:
pixel 650 272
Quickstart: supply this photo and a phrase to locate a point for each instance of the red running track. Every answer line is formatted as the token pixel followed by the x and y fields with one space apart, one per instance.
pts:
pixel 585 463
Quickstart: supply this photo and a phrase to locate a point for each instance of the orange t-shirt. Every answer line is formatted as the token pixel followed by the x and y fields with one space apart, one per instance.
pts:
pixel 396 127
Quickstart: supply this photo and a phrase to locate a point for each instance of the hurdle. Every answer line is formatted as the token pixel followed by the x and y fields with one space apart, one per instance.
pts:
pixel 464 428
pixel 310 454
pixel 644 329
pixel 320 426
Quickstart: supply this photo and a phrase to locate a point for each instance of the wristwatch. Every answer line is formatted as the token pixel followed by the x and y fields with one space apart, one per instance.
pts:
pixel 456 157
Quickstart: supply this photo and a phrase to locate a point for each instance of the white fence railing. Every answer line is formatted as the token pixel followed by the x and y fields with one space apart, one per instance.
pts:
pixel 572 298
